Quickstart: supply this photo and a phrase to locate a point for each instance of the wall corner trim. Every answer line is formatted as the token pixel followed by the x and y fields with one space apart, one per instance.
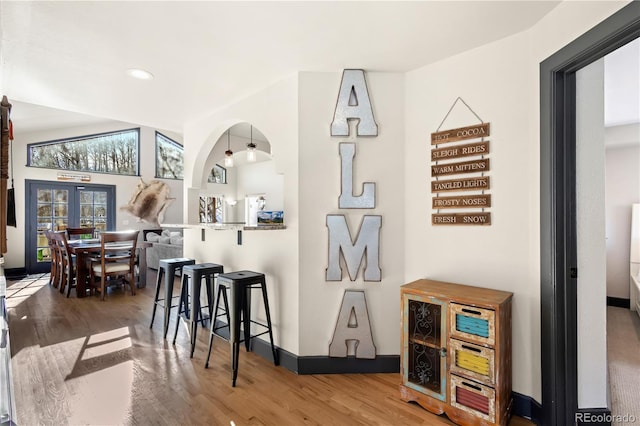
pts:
pixel 527 407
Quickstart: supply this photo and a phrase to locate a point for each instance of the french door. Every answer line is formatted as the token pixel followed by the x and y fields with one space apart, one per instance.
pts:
pixel 56 206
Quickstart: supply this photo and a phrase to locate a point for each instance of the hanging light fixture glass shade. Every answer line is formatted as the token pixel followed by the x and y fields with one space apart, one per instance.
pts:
pixel 251 149
pixel 228 154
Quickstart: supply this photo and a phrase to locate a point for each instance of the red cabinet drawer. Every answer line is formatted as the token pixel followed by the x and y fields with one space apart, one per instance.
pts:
pixel 473 397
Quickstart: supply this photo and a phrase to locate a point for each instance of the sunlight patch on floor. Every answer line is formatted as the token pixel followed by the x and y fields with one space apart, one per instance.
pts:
pixel 19 291
pixel 103 397
pixel 106 348
pixel 108 342
pixel 108 335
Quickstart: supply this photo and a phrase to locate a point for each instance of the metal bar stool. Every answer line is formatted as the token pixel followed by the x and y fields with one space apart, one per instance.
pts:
pixel 240 284
pixel 168 268
pixel 192 276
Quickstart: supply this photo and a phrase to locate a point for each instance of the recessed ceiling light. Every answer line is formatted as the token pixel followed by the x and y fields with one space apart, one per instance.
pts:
pixel 140 74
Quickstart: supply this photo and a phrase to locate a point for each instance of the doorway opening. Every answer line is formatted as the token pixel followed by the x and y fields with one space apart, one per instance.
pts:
pixel 558 228
pixel 249 183
pixel 55 206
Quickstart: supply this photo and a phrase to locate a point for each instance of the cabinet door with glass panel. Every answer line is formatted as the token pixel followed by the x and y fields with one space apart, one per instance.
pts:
pixel 424 336
pixel 55 206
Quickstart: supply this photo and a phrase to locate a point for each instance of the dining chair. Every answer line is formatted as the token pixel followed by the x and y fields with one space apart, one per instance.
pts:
pixel 64 261
pixel 75 233
pixel 53 275
pixel 117 259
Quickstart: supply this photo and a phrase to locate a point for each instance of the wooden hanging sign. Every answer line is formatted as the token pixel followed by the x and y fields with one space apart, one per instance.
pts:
pixel 461 219
pixel 469 184
pixel 74 177
pixel 460 168
pixel 461 202
pixel 479 148
pixel 460 134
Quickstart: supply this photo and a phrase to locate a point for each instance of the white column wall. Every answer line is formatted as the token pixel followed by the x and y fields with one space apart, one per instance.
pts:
pixel 125 185
pixel 377 159
pixel 275 253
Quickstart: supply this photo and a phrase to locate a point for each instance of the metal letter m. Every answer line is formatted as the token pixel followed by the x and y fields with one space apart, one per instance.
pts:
pixel 340 241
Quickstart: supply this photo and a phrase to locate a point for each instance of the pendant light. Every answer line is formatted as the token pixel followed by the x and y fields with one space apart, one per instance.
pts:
pixel 228 154
pixel 251 149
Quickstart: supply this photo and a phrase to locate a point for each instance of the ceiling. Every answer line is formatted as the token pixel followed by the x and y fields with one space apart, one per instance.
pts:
pixel 72 56
pixel 64 64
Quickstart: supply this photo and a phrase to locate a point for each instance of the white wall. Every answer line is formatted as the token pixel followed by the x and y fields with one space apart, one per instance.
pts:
pixel 590 212
pixel 314 153
pixel 501 82
pixel 622 190
pixel 501 256
pixel 15 257
pixel 377 159
pixel 260 178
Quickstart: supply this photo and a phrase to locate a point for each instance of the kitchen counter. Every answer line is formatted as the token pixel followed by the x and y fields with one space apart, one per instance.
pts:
pixel 234 226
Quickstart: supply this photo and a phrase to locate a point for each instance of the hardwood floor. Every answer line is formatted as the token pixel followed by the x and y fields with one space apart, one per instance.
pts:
pixel 623 356
pixel 83 361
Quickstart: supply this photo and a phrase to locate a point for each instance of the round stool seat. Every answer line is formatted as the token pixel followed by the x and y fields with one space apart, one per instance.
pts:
pixel 176 262
pixel 203 268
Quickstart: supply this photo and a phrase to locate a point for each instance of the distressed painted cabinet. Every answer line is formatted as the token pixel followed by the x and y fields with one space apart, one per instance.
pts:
pixel 456 351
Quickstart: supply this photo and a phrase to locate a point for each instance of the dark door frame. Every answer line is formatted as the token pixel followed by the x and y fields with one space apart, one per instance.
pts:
pixel 30 206
pixel 558 251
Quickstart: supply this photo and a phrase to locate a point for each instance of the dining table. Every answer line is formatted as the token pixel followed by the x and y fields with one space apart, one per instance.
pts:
pixel 85 248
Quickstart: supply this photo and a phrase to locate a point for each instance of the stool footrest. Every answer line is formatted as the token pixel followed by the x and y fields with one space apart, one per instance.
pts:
pixel 162 305
pixel 259 323
pixel 253 336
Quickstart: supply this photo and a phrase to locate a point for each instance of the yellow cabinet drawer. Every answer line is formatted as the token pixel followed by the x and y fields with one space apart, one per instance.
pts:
pixel 472 361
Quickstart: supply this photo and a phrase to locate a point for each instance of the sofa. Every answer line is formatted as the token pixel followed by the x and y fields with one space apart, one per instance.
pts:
pixel 165 244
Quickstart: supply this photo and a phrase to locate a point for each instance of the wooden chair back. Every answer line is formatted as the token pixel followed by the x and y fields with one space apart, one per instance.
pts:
pixel 75 233
pixel 117 259
pixel 64 261
pixel 53 276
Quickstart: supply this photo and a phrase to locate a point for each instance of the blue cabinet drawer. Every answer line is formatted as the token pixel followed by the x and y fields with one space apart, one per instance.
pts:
pixel 473 323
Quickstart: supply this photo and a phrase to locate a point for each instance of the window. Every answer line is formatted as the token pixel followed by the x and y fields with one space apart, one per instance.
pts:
pixel 113 152
pixel 169 158
pixel 218 174
pixel 211 209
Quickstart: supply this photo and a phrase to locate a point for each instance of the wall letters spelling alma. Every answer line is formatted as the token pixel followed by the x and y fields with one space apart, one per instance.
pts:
pixel 353 104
